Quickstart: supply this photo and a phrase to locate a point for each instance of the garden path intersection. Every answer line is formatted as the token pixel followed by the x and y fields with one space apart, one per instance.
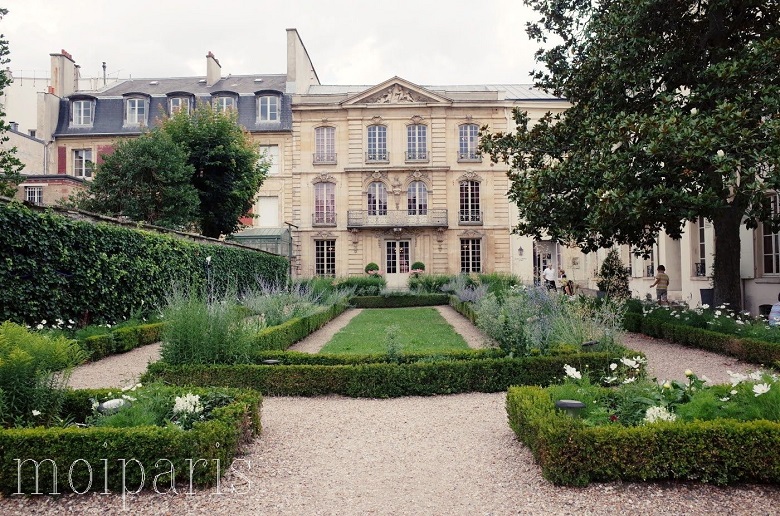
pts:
pixel 416 455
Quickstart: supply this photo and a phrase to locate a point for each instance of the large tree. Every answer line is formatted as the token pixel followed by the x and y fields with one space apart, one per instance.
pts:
pixel 227 167
pixel 674 115
pixel 146 179
pixel 10 166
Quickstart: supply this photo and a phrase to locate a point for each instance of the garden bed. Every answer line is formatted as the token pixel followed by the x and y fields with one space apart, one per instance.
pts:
pixel 720 451
pixel 95 459
pixel 380 376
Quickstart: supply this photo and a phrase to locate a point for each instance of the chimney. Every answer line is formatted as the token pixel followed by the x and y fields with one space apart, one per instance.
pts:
pixel 213 70
pixel 63 74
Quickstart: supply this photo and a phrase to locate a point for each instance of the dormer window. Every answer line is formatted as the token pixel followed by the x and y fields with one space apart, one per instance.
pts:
pixel 224 103
pixel 267 108
pixel 83 111
pixel 176 104
pixel 135 110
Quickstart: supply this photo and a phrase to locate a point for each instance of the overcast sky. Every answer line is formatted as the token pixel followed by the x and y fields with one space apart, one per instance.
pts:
pixel 439 42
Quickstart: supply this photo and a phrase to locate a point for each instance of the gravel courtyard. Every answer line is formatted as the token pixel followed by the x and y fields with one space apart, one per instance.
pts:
pixel 415 455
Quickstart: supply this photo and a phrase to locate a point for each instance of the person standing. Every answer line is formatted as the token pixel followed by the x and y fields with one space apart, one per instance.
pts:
pixel 774 313
pixel 661 283
pixel 549 278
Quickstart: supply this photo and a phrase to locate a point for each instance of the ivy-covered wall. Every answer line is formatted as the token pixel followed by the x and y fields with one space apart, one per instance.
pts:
pixel 54 267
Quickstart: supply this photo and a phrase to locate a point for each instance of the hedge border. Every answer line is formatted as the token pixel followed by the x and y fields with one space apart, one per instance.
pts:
pixel 121 340
pixel 746 349
pixel 289 332
pixel 222 437
pixel 382 379
pixel 399 300
pixel 569 453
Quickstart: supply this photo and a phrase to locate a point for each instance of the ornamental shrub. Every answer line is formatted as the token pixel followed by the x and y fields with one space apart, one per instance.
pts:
pixel 52 267
pixel 371 267
pixel 613 276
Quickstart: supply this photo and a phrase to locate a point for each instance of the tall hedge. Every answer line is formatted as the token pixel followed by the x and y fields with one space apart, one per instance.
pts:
pixel 55 267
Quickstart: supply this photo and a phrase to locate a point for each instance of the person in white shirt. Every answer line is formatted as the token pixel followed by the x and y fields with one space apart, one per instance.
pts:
pixel 549 278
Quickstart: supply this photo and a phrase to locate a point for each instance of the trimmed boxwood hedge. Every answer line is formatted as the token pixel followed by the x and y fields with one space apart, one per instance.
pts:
pixel 53 267
pixel 288 333
pixel 398 300
pixel 383 379
pixel 746 349
pixel 465 308
pixel 569 453
pixel 121 340
pixel 230 428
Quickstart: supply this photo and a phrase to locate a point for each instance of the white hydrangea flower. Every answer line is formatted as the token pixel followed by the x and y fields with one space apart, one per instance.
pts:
pixel 655 414
pixel 188 403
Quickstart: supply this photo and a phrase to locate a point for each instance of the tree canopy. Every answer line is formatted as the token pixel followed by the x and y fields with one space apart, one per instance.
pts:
pixel 228 169
pixel 675 115
pixel 10 166
pixel 146 179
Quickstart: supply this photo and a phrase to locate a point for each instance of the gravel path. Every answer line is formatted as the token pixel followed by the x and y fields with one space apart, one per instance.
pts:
pixel 418 455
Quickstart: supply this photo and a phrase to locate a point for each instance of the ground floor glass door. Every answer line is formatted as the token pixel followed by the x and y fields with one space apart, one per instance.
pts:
pixel 397 257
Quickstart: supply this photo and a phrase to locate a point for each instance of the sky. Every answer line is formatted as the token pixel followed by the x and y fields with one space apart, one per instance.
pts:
pixel 427 42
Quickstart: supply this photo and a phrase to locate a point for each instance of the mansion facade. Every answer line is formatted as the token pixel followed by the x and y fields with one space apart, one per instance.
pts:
pixel 387 173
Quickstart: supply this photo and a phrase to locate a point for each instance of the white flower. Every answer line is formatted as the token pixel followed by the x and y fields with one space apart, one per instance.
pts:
pixel 610 379
pixel 71 321
pixel 612 366
pixel 208 260
pixel 40 327
pixel 36 413
pixel 694 111
pixel 129 398
pixel 189 403
pixel 688 372
pixel 629 380
pixel 761 388
pixel 724 399
pixel 667 385
pixel 43 322
pixel 704 307
pixel 640 359
pixel 655 414
pixel 572 372
pixel 95 404
pixel 720 153
pixel 756 375
pixel 733 392
pixel 629 363
pixel 717 313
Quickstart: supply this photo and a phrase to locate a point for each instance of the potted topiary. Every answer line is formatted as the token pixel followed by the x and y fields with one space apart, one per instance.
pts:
pixel 372 269
pixel 613 277
pixel 417 269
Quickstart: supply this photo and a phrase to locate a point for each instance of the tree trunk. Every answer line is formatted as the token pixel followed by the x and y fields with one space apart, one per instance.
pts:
pixel 726 270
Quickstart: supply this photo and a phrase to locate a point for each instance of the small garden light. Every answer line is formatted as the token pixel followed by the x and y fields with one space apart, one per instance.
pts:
pixel 572 407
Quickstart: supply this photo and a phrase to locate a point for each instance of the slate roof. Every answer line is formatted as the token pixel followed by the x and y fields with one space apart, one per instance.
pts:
pixel 109 102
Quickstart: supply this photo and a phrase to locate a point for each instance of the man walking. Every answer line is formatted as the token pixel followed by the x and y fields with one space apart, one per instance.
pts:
pixel 549 278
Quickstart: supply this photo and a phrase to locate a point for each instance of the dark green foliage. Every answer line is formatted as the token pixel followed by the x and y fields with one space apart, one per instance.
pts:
pixel 428 283
pixel 418 266
pixel 121 340
pixel 427 376
pixel 362 286
pixel 288 333
pixel 10 165
pixel 146 179
pixel 613 276
pixel 569 453
pixel 227 167
pixel 232 426
pixel 53 267
pixel 371 267
pixel 297 358
pixel 466 309
pixel 399 300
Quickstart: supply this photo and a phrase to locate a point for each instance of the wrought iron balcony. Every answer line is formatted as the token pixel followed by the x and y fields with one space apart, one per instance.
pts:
pixel 701 269
pixel 377 157
pixel 323 219
pixel 470 218
pixel 396 219
pixel 419 155
pixel 324 158
pixel 470 156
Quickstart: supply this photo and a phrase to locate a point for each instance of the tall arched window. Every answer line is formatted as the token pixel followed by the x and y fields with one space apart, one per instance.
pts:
pixel 377 198
pixel 417 198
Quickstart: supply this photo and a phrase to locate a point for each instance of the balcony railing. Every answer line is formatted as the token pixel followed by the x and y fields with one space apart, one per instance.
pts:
pixel 470 156
pixel 419 155
pixel 377 157
pixel 396 218
pixel 324 158
pixel 700 268
pixel 323 219
pixel 470 217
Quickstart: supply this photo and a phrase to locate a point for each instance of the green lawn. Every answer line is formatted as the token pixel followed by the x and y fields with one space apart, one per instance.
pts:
pixel 419 329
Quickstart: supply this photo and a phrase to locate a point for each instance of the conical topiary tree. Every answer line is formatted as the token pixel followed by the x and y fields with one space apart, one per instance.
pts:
pixel 613 276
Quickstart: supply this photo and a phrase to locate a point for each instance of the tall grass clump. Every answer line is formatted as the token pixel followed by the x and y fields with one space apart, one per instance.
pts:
pixel 465 288
pixel 206 331
pixel 34 369
pixel 276 304
pixel 530 321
